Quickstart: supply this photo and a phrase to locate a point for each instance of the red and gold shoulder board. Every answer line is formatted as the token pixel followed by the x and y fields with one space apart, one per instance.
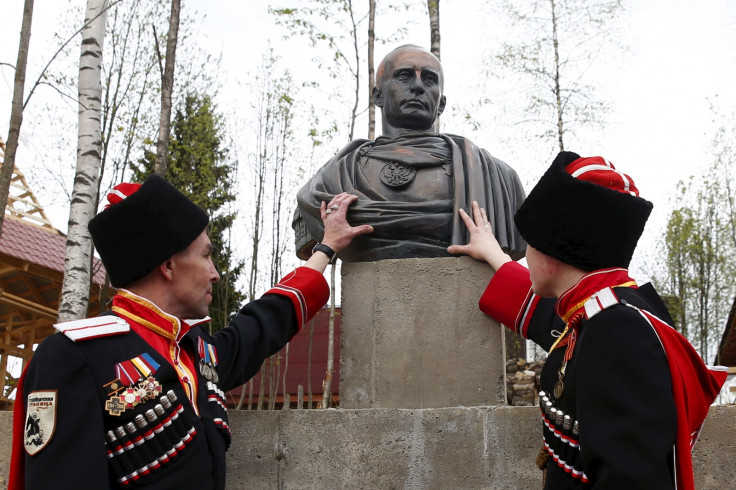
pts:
pixel 93 328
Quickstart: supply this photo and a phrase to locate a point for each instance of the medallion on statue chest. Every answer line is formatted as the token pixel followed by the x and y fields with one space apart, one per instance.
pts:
pixel 396 175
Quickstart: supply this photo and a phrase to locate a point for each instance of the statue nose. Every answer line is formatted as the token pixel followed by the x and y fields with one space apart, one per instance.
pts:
pixel 417 86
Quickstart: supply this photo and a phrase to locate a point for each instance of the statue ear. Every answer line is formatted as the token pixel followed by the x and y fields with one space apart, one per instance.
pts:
pixel 441 105
pixel 377 96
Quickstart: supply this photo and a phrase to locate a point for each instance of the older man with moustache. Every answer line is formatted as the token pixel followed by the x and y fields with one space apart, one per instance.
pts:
pixel 135 397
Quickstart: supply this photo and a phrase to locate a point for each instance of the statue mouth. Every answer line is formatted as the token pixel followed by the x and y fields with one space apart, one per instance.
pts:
pixel 414 103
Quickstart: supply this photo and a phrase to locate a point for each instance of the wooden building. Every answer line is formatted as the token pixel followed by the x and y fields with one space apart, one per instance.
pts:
pixel 31 272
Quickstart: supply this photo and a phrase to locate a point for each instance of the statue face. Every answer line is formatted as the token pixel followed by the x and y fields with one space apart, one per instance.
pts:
pixel 410 92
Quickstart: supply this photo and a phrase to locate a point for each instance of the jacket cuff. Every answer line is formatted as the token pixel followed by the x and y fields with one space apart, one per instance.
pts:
pixel 509 299
pixel 308 291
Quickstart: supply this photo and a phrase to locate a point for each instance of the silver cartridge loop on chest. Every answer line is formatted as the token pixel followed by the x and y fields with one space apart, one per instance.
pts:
pixel 558 418
pixel 121 463
pixel 150 459
pixel 164 432
pixel 141 468
pixel 174 409
pixel 153 439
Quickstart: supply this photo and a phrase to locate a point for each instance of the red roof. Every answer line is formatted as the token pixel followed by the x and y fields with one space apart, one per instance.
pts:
pixel 297 372
pixel 36 245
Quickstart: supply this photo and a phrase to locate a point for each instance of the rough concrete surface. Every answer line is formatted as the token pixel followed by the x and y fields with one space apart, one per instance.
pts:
pixel 459 448
pixel 412 335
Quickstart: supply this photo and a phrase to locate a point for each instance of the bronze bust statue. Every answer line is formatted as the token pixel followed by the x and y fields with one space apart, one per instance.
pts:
pixel 411 181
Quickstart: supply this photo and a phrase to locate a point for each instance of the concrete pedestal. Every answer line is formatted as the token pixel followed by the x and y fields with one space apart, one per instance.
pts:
pixel 412 335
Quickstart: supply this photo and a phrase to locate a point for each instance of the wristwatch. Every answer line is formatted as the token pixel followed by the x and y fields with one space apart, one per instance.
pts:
pixel 321 247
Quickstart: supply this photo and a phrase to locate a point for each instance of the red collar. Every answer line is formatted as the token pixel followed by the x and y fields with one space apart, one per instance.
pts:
pixel 145 313
pixel 572 300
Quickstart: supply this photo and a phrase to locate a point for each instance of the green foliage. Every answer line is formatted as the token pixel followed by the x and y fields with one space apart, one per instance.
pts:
pixel 699 252
pixel 199 167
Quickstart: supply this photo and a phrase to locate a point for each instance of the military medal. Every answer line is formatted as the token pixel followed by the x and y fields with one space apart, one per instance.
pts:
pixel 569 341
pixel 397 175
pixel 115 406
pixel 135 384
pixel 130 397
pixel 150 388
pixel 204 368
pixel 559 387
pixel 113 387
pixel 207 360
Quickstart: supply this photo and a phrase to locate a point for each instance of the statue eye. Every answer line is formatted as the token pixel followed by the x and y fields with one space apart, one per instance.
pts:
pixel 403 76
pixel 430 79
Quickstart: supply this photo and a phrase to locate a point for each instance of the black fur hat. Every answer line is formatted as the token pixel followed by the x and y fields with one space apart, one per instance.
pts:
pixel 585 213
pixel 142 226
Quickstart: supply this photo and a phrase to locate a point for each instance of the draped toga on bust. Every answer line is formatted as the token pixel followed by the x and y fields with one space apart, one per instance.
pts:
pixel 410 189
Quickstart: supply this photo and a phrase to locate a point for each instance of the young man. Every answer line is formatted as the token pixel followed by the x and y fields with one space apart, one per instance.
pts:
pixel 623 395
pixel 135 398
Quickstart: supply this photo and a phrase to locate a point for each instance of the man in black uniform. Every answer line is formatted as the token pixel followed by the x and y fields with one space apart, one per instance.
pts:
pixel 136 398
pixel 624 395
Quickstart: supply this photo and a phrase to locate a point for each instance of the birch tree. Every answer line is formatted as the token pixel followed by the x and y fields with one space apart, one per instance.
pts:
pixel 332 25
pixel 371 68
pixel 167 86
pixel 433 7
pixel 559 42
pixel 74 298
pixel 16 111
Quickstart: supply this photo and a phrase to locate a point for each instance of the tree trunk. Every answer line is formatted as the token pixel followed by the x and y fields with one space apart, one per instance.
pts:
pixel 434 26
pixel 558 91
pixel 371 69
pixel 74 298
pixel 167 86
pixel 327 383
pixel 356 50
pixel 283 377
pixel 433 7
pixel 16 111
pixel 309 363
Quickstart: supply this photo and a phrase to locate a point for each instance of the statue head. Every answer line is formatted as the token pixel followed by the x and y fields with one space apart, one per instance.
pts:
pixel 409 86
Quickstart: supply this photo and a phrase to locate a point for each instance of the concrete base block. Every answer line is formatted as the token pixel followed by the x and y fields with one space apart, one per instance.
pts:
pixel 412 335
pixel 464 448
pixel 460 448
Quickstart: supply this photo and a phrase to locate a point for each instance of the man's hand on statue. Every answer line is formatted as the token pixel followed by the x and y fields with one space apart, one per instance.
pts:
pixel 483 245
pixel 338 232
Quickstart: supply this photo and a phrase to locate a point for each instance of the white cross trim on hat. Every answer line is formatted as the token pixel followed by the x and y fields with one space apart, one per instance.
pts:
pixel 118 193
pixel 601 167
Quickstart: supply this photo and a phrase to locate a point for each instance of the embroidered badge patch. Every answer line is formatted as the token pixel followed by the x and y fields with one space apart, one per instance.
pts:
pixel 40 420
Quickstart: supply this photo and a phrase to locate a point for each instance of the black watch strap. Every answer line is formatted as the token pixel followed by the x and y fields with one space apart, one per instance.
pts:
pixel 321 247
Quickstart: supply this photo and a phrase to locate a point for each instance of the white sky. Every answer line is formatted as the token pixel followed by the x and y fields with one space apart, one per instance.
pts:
pixel 682 53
